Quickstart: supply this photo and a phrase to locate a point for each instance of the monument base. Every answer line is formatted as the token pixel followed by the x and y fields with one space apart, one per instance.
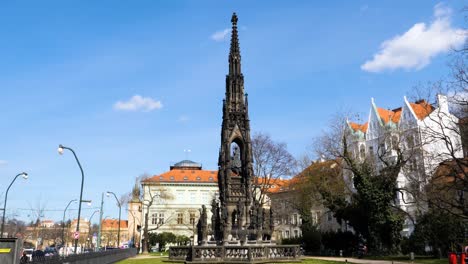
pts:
pixel 235 254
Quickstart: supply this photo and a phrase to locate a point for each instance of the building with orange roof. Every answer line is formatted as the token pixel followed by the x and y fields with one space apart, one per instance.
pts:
pixel 110 230
pixel 283 195
pixel 177 196
pixel 414 127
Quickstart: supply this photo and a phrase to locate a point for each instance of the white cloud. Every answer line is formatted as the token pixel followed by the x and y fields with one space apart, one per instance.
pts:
pixel 138 103
pixel 3 163
pixel 415 48
pixel 220 35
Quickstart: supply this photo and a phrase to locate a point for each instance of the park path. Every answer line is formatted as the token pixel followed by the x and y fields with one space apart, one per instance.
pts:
pixel 357 261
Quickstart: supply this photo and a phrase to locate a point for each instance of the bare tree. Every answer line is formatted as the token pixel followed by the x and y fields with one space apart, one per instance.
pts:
pixel 446 176
pixel 152 193
pixel 271 162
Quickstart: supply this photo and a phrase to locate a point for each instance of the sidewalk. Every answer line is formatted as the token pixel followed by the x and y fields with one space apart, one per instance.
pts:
pixel 357 261
pixel 146 256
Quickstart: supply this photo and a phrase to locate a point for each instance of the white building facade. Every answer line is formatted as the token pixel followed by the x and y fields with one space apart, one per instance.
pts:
pixel 420 131
pixel 178 195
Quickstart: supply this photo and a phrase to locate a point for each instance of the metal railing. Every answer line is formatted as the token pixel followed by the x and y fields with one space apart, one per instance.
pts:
pixel 101 257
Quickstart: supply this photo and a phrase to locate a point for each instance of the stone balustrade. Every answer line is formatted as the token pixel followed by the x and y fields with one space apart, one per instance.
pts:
pixel 238 254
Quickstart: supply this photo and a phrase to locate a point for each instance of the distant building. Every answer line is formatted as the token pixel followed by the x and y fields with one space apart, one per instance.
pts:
pixel 178 196
pixel 110 230
pixel 47 223
pixel 134 216
pixel 288 220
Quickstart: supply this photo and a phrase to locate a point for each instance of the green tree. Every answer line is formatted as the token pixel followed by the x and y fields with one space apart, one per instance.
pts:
pixel 440 231
pixel 162 239
pixel 368 206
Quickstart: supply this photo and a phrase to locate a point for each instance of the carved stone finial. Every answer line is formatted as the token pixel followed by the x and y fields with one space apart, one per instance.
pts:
pixel 234 19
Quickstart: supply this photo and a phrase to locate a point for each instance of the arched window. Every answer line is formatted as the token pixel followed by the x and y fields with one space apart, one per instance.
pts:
pixel 362 151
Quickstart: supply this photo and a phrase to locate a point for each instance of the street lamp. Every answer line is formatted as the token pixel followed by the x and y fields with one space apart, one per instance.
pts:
pixel 25 176
pixel 90 224
pixel 63 220
pixel 60 150
pixel 120 209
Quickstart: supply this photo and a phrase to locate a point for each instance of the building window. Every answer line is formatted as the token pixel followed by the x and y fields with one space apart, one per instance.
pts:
pixel 193 196
pixel 294 219
pixel 154 219
pixel 210 179
pixel 180 195
pixel 205 197
pixel 296 233
pixel 161 219
pixel 180 218
pixel 185 178
pixel 329 216
pixel 314 218
pixel 362 151
pixel 286 234
pixel 172 178
pixel 198 178
pixel 395 142
pixel 192 218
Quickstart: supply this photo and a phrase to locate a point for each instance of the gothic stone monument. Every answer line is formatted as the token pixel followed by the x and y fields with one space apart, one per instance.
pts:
pixel 240 228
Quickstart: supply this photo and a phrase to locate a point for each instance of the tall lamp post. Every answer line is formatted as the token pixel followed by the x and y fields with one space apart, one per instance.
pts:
pixel 120 209
pixel 25 176
pixel 90 224
pixel 60 151
pixel 63 220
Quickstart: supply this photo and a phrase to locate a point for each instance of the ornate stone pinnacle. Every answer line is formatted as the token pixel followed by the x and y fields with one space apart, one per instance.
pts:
pixel 234 19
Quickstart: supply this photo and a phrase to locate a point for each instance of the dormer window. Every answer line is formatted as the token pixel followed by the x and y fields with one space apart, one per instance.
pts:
pixel 210 179
pixel 172 178
pixel 185 178
pixel 161 178
pixel 198 178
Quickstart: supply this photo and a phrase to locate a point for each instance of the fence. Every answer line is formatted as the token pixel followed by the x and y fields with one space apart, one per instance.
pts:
pixel 102 257
pixel 217 254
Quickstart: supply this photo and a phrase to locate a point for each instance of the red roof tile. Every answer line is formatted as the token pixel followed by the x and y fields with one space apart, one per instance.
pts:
pixel 178 175
pixel 422 109
pixel 360 127
pixel 113 223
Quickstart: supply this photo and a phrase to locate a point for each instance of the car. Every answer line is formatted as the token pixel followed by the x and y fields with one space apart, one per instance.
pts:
pixel 50 251
pixel 29 252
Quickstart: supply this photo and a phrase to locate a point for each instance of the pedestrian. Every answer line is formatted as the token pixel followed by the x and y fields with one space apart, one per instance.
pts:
pixel 24 258
pixel 38 255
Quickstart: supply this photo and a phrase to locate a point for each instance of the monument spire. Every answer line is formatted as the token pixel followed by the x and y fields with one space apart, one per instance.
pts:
pixel 234 52
pixel 234 79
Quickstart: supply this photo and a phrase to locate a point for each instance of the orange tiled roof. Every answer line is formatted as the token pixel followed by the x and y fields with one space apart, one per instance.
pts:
pixel 184 175
pixel 360 127
pixel 113 223
pixel 422 108
pixel 389 115
pixel 275 185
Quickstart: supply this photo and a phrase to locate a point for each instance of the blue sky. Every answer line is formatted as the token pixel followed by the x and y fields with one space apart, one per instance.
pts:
pixel 130 84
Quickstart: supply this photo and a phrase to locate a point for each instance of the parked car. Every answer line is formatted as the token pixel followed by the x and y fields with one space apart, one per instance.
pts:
pixel 50 251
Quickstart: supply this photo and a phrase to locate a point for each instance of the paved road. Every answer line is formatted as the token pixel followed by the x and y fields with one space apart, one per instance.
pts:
pixel 358 261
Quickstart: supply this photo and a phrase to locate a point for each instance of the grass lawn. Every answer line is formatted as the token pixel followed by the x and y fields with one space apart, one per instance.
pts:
pixel 160 261
pixel 417 259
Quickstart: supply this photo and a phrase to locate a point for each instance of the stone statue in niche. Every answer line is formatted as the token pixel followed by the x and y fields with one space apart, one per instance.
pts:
pixel 236 163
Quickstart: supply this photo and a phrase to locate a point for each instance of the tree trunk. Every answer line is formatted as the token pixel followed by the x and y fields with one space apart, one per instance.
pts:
pixel 145 234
